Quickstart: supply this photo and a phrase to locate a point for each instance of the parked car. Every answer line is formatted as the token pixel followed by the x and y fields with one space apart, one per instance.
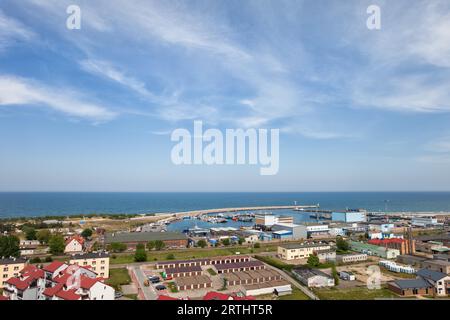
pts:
pixel 154 279
pixel 160 287
pixel 118 294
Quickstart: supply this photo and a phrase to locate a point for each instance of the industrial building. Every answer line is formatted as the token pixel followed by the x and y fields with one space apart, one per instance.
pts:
pixel 278 287
pixel 313 278
pixel 289 231
pixel 349 216
pixel 132 239
pixel 373 250
pixel 424 221
pixel 437 265
pixel 251 277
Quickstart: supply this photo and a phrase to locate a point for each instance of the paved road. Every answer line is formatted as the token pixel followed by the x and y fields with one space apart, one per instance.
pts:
pixel 148 292
pixel 294 282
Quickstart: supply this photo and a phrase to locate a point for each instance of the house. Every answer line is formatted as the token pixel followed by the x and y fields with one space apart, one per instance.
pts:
pixel 428 282
pixel 300 251
pixel 439 280
pixel 313 278
pixel 57 281
pixel 98 261
pixel 74 244
pixel 411 287
pixel 10 267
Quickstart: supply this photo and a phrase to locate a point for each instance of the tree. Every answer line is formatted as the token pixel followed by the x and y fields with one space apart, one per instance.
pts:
pixel 56 244
pixel 151 245
pixel 257 245
pixel 140 255
pixel 117 247
pixel 159 245
pixel 226 242
pixel 341 244
pixel 335 275
pixel 43 236
pixel 201 243
pixel 30 233
pixel 9 246
pixel 241 240
pixel 87 233
pixel 313 261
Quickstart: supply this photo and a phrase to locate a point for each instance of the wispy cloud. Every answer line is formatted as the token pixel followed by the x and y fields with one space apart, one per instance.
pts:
pixel 12 30
pixel 20 91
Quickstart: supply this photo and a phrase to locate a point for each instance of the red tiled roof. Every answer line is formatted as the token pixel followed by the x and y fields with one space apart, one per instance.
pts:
pixel 62 278
pixel 68 295
pixel 87 283
pixel 19 284
pixel 163 297
pixel 79 239
pixel 216 296
pixel 50 292
pixel 52 267
pixel 380 242
pixel 28 268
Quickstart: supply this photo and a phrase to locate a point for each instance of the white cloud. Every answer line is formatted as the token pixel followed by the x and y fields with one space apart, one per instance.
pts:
pixel 19 91
pixel 12 30
pixel 106 70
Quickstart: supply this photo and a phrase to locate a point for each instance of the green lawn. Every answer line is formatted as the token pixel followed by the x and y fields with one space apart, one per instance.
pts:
pixel 357 293
pixel 211 272
pixel 192 253
pixel 274 262
pixel 118 277
pixel 297 294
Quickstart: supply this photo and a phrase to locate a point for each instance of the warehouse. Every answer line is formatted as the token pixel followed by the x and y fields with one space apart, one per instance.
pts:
pixel 373 250
pixel 183 271
pixel 192 283
pixel 132 239
pixel 289 231
pixel 313 278
pixel 280 287
pixel 182 263
pixel 239 266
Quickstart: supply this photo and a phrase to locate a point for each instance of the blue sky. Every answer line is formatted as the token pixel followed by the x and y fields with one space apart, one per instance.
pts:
pixel 93 109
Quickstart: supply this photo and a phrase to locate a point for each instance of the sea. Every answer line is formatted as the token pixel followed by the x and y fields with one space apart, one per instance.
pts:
pixel 35 204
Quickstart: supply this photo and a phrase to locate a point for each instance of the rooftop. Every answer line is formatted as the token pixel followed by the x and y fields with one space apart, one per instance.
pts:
pixel 303 245
pixel 418 283
pixel 143 236
pixel 90 255
pixel 430 274
pixel 4 261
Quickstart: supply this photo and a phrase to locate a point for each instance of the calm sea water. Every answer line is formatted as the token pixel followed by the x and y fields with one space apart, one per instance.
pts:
pixel 41 204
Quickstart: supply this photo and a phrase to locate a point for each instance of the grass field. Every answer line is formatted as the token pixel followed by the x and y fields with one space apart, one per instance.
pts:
pixel 357 293
pixel 297 294
pixel 118 277
pixel 192 253
pixel 274 262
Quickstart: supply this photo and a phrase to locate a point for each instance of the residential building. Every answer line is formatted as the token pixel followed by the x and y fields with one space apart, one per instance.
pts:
pixel 98 261
pixel 57 281
pixel 74 244
pixel 132 239
pixel 439 280
pixel 351 258
pixel 313 278
pixel 326 255
pixel 10 267
pixel 293 251
pixel 411 287
pixel 373 250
